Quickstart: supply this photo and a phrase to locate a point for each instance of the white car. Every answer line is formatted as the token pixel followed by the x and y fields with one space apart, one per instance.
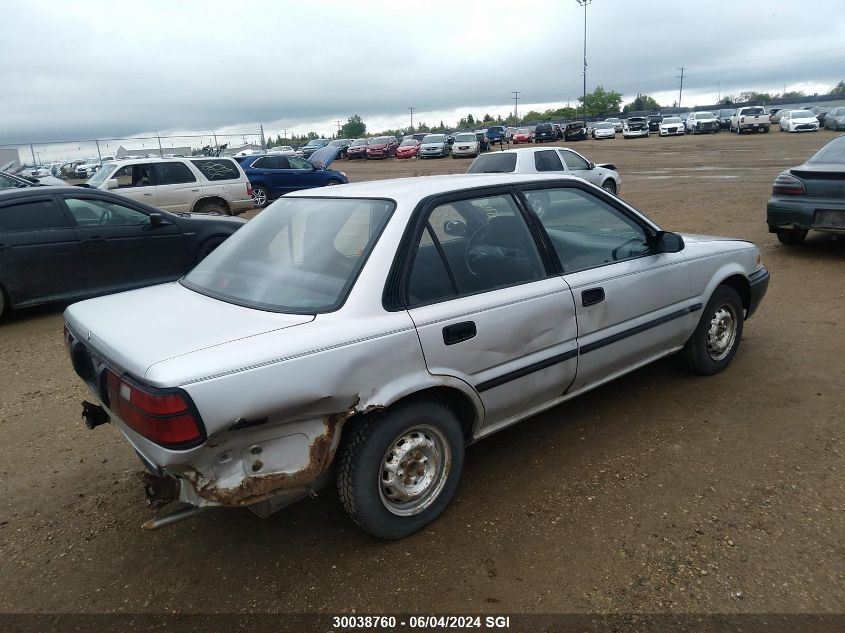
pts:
pixel 193 185
pixel 635 127
pixel 617 123
pixel 364 335
pixel 798 121
pixel 671 126
pixel 604 129
pixel 548 160
pixel 282 150
pixel 466 144
pixel 702 122
pixel 88 168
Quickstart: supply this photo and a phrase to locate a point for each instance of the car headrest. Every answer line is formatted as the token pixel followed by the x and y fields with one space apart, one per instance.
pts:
pixel 505 231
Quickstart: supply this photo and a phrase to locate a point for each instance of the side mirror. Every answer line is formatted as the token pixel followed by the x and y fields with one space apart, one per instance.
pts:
pixel 592 165
pixel 455 228
pixel 156 219
pixel 112 183
pixel 667 242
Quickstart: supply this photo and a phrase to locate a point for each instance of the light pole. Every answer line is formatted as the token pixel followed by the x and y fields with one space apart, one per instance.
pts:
pixel 412 118
pixel 584 3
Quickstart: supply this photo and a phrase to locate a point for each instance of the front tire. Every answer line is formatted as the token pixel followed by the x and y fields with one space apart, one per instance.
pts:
pixel 716 339
pixel 609 186
pixel 209 246
pixel 399 469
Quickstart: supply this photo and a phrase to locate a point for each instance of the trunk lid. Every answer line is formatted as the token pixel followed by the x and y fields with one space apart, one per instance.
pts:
pixel 135 330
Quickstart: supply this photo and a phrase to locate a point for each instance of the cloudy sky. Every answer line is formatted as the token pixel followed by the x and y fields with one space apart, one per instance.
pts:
pixel 94 69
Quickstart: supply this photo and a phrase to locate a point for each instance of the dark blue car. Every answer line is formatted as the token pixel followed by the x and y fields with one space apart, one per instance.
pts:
pixel 272 175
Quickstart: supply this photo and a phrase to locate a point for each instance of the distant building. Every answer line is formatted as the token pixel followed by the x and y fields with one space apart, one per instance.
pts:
pixel 122 152
pixel 10 156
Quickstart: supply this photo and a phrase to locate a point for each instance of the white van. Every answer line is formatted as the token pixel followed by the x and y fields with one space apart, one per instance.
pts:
pixel 194 185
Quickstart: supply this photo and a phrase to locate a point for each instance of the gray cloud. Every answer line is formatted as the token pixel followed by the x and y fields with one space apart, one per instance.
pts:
pixel 80 70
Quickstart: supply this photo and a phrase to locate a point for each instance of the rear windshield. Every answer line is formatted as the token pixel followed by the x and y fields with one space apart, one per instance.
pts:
pixel 544 127
pixel 496 163
pixel 753 111
pixel 832 153
pixel 300 255
pixel 434 138
pixel 469 136
pixel 358 142
pixel 218 169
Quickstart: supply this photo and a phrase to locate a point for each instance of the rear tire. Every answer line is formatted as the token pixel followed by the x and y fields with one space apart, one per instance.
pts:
pixel 398 470
pixel 213 209
pixel 260 197
pixel 609 186
pixel 3 302
pixel 718 334
pixel 791 236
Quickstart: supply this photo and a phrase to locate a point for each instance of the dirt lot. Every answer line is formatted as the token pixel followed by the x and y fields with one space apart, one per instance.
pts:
pixel 661 492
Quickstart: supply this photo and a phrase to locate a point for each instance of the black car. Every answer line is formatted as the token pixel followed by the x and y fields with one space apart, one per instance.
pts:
pixel 810 196
pixel 483 141
pixel 575 131
pixel 654 121
pixel 545 132
pixel 62 243
pixel 343 144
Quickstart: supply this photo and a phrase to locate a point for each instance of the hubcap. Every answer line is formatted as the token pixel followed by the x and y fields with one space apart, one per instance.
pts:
pixel 259 197
pixel 721 334
pixel 414 470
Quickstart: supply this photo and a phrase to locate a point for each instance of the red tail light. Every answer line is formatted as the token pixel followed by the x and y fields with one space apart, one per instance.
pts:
pixel 249 189
pixel 788 185
pixel 165 417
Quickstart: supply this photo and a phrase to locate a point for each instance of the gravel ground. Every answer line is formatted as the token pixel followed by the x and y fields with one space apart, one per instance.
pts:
pixel 660 492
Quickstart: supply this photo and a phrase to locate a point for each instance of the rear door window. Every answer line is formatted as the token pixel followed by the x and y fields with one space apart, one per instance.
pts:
pixel 218 169
pixel 547 161
pixel 173 173
pixel 34 215
pixel 572 160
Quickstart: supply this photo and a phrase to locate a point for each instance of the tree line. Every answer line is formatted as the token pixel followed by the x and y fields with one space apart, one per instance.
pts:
pixel 596 103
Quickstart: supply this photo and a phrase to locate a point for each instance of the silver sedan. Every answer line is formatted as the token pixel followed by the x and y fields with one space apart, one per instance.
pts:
pixel 364 334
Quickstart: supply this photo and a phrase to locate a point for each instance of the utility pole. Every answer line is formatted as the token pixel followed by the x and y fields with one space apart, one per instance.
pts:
pixel 515 105
pixel 338 121
pixel 681 77
pixel 584 3
pixel 214 134
pixel 412 118
pixel 263 141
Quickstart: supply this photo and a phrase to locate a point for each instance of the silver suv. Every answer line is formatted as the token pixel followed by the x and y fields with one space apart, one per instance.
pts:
pixel 199 185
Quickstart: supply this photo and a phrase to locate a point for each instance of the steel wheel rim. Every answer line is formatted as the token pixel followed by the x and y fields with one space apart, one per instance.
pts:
pixel 721 335
pixel 259 197
pixel 414 470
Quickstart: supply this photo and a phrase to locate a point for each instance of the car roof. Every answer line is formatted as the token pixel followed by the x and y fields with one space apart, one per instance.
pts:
pixel 423 186
pixel 27 192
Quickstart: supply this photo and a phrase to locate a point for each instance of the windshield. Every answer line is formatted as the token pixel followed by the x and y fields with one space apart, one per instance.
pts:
pixel 753 111
pixel 358 142
pixel 613 120
pixel 379 140
pixel 337 143
pixel 317 142
pixel 604 125
pixel 671 119
pixel 300 255
pixel 832 153
pixel 435 138
pixel 704 115
pixel 730 112
pixel 102 175
pixel 495 163
pixel 523 130
pixel 801 114
pixel 410 142
pixel 465 137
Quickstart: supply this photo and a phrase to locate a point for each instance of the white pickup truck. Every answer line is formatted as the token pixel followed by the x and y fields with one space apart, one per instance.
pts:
pixel 752 118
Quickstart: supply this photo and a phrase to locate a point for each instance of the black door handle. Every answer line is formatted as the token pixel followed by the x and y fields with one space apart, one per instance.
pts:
pixel 459 332
pixel 592 296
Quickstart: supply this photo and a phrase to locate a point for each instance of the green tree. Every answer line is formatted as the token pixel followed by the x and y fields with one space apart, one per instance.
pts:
pixel 600 101
pixel 838 90
pixel 354 127
pixel 470 120
pixel 641 103
pixel 753 95
pixel 487 118
pixel 312 135
pixel 793 94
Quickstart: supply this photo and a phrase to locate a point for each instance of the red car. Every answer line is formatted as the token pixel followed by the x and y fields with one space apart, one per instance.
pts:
pixel 522 135
pixel 408 149
pixel 382 147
